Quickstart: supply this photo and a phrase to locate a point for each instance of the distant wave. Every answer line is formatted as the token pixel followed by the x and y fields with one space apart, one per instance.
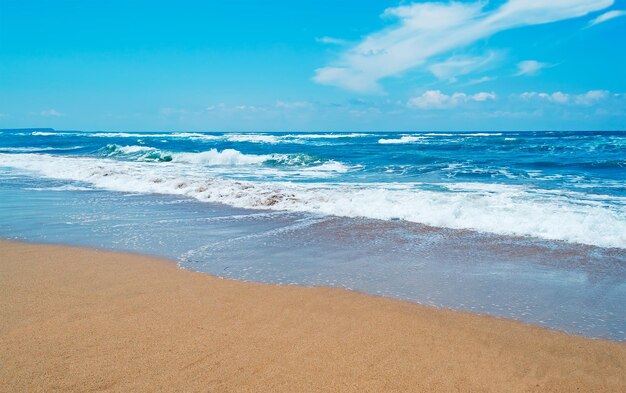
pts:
pixel 60 188
pixel 263 138
pixel 481 134
pixel 495 208
pixel 230 137
pixel 463 134
pixel 327 136
pixel 412 138
pixel 289 138
pixel 34 149
pixel 254 138
pixel 190 135
pixel 401 140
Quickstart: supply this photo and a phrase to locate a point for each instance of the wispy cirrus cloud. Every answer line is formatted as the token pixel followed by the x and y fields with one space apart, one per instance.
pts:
pixel 530 67
pixel 173 111
pixel 331 41
pixel 51 113
pixel 435 99
pixel 425 32
pixel 462 65
pixel 606 17
pixel 477 81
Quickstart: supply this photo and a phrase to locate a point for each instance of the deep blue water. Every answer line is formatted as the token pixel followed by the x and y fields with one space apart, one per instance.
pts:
pixel 525 225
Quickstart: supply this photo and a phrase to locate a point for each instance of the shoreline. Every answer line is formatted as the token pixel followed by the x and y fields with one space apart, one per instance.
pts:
pixel 77 319
pixel 170 261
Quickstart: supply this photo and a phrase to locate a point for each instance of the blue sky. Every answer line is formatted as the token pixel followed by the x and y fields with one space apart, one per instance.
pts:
pixel 313 65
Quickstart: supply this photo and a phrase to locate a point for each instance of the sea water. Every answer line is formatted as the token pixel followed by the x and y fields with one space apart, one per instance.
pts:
pixel 523 225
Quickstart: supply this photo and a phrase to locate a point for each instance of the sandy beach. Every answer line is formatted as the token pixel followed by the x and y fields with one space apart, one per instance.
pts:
pixel 74 319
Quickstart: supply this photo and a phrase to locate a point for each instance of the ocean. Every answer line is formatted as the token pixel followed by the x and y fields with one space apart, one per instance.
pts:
pixel 523 225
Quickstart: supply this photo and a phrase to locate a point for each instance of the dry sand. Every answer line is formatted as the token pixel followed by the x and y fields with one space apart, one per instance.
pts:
pixel 75 319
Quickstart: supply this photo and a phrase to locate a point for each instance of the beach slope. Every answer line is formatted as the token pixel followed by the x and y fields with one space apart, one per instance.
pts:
pixel 74 319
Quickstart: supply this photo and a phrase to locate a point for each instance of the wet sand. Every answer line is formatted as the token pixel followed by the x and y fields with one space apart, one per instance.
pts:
pixel 74 319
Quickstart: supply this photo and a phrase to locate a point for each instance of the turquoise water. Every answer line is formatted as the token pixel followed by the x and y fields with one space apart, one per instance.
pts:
pixel 525 225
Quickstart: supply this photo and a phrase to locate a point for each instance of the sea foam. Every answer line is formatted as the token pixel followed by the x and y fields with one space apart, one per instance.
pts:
pixel 401 140
pixel 226 157
pixel 500 209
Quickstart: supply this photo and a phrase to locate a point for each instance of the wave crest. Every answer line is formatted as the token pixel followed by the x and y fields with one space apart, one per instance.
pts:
pixel 502 210
pixel 401 140
pixel 226 157
pixel 136 153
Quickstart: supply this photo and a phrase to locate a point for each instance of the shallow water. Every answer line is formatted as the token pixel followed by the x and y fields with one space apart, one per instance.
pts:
pixel 576 288
pixel 524 225
pixel 567 186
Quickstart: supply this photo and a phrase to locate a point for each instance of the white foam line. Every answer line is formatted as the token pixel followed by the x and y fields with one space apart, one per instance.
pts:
pixel 506 211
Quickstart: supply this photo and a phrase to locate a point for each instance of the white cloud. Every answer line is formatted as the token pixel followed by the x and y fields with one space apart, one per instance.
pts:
pixel 250 108
pixel 483 96
pixel 173 112
pixel 589 98
pixel 560 98
pixel 606 17
pixel 51 113
pixel 212 108
pixel 478 81
pixel 427 30
pixel 461 65
pixel 293 104
pixel 331 41
pixel 430 99
pixel 435 99
pixel 530 67
pixel 556 97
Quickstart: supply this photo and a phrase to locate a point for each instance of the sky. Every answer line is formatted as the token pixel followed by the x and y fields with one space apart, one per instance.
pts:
pixel 313 65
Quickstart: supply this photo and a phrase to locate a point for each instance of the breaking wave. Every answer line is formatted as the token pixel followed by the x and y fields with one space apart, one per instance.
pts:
pixel 198 136
pixel 34 149
pixel 214 157
pixel 401 140
pixel 500 209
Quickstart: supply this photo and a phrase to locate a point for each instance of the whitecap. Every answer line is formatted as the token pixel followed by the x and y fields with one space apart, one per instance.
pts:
pixel 44 133
pixel 60 188
pixel 401 140
pixel 504 210
pixel 224 157
pixel 327 136
pixel 31 149
pixel 481 134
pixel 252 138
